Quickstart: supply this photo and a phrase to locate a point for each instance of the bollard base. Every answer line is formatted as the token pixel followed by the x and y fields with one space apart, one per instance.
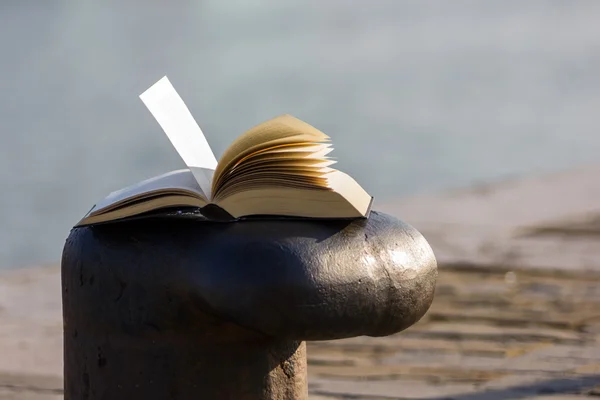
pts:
pixel 181 368
pixel 216 311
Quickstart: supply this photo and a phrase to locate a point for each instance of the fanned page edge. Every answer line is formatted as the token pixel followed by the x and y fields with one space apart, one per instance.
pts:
pixel 291 130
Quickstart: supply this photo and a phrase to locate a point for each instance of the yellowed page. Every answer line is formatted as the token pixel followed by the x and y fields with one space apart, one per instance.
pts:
pixel 297 166
pixel 299 150
pixel 294 202
pixel 284 129
pixel 273 181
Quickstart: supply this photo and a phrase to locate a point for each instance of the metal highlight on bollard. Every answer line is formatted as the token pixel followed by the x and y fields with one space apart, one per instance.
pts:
pixel 180 309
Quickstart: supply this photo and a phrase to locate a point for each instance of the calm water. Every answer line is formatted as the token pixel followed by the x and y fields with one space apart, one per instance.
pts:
pixel 417 96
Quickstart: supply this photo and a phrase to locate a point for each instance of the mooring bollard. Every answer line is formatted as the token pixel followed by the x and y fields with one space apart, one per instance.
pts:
pixel 182 309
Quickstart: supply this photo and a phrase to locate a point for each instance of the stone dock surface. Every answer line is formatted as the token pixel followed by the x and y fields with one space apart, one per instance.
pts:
pixel 516 313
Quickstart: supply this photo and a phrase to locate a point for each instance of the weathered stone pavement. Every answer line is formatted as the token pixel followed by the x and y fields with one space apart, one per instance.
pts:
pixel 547 222
pixel 488 335
pixel 516 313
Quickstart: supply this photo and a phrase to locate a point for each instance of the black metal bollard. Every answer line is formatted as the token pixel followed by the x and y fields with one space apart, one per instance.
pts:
pixel 197 310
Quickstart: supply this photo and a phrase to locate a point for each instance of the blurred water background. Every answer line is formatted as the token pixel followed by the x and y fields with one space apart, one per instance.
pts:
pixel 418 96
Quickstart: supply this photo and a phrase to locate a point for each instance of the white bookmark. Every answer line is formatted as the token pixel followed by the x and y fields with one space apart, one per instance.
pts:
pixel 183 131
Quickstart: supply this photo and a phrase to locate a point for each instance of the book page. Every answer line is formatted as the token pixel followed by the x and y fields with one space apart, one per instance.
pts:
pixel 285 200
pixel 181 179
pixel 279 131
pixel 175 118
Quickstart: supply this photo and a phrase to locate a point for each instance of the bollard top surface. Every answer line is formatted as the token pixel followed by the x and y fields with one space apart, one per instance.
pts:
pixel 296 279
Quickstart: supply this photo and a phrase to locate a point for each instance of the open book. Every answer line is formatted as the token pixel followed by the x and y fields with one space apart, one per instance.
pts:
pixel 278 168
